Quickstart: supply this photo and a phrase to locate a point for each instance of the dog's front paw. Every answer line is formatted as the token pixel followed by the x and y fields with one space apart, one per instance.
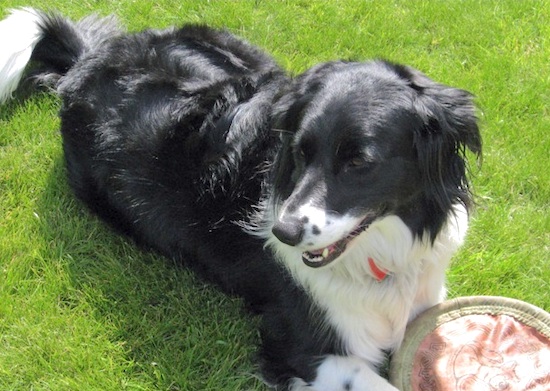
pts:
pixel 348 373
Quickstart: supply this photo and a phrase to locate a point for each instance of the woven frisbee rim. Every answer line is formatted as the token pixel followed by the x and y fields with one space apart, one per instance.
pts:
pixel 402 361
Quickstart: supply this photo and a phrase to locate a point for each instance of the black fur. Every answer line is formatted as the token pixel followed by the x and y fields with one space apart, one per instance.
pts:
pixel 179 137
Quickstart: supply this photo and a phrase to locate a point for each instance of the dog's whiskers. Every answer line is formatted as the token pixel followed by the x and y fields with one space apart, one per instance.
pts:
pixel 281 131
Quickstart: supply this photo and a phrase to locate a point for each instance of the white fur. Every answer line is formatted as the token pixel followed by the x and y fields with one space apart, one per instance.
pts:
pixel 344 374
pixel 330 228
pixel 371 316
pixel 19 33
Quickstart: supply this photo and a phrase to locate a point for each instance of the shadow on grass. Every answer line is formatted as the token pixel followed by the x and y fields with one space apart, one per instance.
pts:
pixel 178 333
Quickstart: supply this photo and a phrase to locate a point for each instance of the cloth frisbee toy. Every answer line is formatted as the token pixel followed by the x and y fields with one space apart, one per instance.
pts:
pixel 478 343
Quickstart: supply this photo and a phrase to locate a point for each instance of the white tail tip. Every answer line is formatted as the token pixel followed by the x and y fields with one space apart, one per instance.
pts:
pixel 19 34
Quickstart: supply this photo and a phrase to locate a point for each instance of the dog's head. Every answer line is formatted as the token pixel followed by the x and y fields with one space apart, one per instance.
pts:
pixel 363 141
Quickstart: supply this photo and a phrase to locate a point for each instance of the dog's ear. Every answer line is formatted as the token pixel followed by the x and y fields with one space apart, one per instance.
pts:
pixel 449 128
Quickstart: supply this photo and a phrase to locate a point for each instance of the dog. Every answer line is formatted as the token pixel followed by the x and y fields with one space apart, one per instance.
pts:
pixel 331 202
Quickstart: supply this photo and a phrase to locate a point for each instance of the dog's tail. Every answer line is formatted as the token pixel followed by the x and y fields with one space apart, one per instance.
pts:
pixel 51 42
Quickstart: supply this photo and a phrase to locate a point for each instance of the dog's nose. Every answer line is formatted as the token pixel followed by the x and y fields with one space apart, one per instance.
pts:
pixel 289 231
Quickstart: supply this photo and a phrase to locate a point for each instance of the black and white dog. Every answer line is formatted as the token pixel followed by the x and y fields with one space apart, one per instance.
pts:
pixel 331 202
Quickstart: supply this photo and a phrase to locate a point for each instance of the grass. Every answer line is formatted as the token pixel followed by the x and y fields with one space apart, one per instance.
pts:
pixel 81 308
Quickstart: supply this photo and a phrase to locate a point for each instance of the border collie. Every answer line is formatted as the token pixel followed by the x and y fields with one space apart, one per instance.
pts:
pixel 331 202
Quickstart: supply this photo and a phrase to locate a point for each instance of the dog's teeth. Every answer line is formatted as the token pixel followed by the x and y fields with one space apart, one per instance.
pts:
pixel 325 253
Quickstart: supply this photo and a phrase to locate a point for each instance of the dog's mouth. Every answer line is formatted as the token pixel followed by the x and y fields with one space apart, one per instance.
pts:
pixel 324 256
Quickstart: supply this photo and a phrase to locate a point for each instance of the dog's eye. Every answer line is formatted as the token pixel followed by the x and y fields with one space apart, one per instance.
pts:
pixel 304 155
pixel 357 162
pixel 305 151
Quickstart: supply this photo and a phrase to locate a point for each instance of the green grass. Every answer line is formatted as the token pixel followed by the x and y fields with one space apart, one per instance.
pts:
pixel 82 309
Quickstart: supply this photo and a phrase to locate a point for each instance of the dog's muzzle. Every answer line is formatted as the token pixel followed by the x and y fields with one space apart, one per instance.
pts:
pixel 291 232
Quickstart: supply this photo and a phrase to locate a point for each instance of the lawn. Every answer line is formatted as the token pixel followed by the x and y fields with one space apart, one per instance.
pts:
pixel 83 309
